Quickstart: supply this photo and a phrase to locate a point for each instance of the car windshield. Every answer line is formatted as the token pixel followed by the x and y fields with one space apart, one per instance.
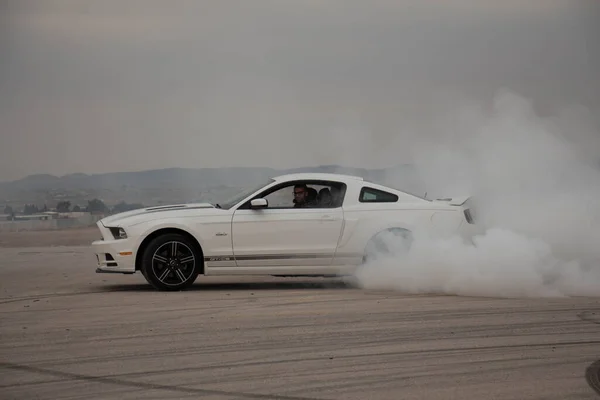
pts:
pixel 232 201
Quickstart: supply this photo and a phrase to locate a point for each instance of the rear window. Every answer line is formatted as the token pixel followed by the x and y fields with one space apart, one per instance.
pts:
pixel 370 195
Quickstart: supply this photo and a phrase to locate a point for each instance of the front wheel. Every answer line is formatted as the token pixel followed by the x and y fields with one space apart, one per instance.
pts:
pixel 171 262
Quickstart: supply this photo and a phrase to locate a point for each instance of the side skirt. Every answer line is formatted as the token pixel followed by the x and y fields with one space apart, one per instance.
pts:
pixel 310 270
pixel 282 264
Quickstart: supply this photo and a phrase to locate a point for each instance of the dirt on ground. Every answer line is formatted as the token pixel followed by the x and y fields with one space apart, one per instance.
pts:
pixel 50 238
pixel 68 332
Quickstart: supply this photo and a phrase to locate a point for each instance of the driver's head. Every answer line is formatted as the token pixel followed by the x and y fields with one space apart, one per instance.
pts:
pixel 300 193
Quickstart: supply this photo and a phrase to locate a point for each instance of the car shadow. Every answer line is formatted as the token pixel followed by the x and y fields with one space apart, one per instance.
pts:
pixel 235 286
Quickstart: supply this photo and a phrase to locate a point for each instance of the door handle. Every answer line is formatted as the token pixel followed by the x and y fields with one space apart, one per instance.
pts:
pixel 327 218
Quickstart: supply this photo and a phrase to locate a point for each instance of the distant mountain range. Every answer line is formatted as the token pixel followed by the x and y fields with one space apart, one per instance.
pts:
pixel 233 176
pixel 171 184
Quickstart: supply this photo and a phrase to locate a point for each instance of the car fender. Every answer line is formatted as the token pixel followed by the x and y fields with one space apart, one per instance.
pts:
pixel 358 231
pixel 394 228
pixel 153 227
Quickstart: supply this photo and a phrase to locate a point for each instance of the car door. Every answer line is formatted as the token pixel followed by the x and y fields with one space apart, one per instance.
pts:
pixel 286 238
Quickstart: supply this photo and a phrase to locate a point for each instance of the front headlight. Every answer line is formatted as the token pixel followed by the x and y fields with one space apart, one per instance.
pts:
pixel 118 233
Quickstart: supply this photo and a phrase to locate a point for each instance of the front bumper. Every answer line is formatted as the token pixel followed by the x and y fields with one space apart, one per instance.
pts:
pixel 114 255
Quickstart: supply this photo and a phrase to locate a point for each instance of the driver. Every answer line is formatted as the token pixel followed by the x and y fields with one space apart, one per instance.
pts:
pixel 301 196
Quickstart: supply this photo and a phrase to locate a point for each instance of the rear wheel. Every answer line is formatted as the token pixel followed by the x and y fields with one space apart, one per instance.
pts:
pixel 171 262
pixel 387 243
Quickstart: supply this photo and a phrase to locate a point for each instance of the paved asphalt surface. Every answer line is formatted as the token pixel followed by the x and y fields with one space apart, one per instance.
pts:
pixel 69 333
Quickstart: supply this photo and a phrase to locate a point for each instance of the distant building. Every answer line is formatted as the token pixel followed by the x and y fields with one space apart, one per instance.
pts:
pixel 52 214
pixel 73 214
pixel 34 217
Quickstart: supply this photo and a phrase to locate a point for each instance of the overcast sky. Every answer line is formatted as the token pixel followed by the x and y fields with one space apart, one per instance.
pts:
pixel 112 85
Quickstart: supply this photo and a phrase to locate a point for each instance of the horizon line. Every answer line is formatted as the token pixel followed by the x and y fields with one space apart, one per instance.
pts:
pixel 194 169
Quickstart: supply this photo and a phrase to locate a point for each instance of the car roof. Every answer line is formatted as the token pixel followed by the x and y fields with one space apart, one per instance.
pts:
pixel 317 176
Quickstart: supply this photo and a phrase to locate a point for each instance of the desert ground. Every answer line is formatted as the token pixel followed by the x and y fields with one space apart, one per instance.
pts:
pixel 69 333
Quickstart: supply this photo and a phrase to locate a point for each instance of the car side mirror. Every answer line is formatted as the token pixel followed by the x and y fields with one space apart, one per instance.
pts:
pixel 258 204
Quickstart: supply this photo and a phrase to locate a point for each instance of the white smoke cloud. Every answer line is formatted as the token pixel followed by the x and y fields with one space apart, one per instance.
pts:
pixel 536 186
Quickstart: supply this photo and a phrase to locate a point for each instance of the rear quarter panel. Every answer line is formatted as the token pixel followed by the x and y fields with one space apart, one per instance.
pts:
pixel 362 221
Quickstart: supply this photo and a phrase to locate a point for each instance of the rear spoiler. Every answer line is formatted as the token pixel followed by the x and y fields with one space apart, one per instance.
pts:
pixel 455 201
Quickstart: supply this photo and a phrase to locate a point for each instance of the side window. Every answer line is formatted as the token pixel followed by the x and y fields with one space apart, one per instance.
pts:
pixel 370 195
pixel 320 194
pixel 281 198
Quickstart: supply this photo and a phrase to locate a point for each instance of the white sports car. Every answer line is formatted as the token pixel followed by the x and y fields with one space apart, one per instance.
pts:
pixel 324 229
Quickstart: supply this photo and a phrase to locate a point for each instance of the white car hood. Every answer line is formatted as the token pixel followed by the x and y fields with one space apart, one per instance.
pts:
pixel 134 217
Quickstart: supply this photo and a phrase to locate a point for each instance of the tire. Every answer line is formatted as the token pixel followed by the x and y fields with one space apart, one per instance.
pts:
pixel 166 271
pixel 377 245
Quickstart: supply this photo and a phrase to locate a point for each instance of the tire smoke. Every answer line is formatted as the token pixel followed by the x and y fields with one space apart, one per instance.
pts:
pixel 535 183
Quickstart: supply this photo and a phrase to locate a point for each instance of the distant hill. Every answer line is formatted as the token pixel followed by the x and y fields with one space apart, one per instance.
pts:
pixel 181 176
pixel 170 184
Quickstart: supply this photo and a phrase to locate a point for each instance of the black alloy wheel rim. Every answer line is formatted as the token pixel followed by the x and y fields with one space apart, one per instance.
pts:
pixel 173 263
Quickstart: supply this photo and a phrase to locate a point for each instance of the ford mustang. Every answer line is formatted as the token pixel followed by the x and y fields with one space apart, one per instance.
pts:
pixel 309 224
